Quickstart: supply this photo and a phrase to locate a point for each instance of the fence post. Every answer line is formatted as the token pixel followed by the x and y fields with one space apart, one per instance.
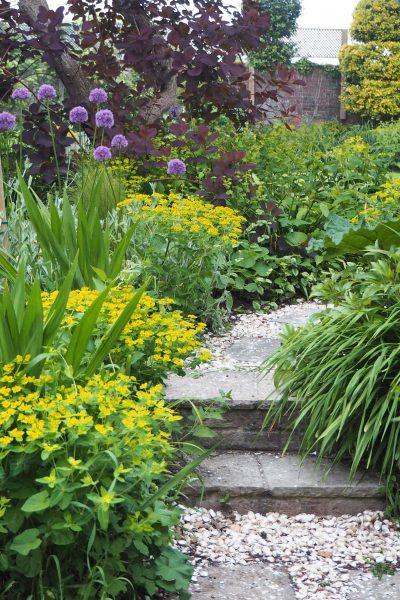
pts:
pixel 252 86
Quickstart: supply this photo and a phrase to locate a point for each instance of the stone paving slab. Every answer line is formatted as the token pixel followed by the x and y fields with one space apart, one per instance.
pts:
pixel 299 319
pixel 247 388
pixel 387 588
pixel 252 350
pixel 288 476
pixel 264 482
pixel 244 582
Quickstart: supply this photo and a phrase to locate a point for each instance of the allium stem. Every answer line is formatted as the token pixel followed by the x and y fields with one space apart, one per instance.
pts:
pixel 53 140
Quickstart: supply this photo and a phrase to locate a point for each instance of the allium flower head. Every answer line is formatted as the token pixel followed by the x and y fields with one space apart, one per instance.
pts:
pixel 98 96
pixel 176 167
pixel 21 93
pixel 102 153
pixel 119 141
pixel 78 114
pixel 174 111
pixel 46 91
pixel 104 118
pixel 7 121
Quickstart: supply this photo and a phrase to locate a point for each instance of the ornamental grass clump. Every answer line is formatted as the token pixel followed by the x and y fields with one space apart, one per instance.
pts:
pixel 338 377
pixel 79 516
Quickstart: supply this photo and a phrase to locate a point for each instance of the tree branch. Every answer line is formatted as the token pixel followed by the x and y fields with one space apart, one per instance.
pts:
pixel 67 68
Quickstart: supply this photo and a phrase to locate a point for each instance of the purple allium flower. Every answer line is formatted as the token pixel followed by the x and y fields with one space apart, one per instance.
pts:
pixel 46 91
pixel 119 141
pixel 98 95
pixel 78 114
pixel 7 121
pixel 176 167
pixel 21 93
pixel 174 111
pixel 102 153
pixel 104 118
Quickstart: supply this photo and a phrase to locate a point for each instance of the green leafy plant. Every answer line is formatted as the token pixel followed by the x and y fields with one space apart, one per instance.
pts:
pixel 275 48
pixel 263 279
pixel 62 236
pixel 371 66
pixel 86 498
pixel 338 376
pixel 183 245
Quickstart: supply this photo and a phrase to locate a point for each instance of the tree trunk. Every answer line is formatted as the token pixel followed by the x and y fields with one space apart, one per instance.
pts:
pixel 67 68
pixel 78 86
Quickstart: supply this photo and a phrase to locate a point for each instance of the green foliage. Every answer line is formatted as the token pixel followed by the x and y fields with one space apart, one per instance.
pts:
pixel 304 66
pixel 276 49
pixel 183 245
pixel 371 68
pixel 351 241
pixel 263 280
pixel 338 376
pixel 62 236
pixel 379 569
pixel 376 20
pixel 85 495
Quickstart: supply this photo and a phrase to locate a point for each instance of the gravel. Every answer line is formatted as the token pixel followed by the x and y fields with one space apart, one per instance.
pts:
pixel 321 554
pixel 257 326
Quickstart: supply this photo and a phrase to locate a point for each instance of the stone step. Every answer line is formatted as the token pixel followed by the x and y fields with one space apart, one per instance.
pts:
pixel 250 398
pixel 264 482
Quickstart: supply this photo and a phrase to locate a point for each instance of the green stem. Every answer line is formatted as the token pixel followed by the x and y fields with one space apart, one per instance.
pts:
pixel 53 140
pixel 20 140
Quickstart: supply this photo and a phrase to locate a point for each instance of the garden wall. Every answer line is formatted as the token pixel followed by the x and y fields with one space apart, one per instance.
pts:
pixel 319 99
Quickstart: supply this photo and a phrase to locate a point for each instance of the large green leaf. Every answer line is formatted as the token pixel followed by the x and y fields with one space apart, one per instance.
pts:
pixel 57 309
pixel 386 235
pixel 120 251
pixel 36 503
pixel 26 541
pixel 48 241
pixel 84 331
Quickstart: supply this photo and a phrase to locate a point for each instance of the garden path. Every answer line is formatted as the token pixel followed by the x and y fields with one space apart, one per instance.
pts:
pixel 306 555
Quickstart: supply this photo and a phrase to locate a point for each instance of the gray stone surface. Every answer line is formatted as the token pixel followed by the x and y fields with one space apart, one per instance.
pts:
pixel 264 482
pixel 244 582
pixel 247 388
pixel 293 318
pixel 387 588
pixel 287 476
pixel 252 350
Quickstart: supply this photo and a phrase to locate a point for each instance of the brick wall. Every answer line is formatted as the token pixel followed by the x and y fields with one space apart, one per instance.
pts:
pixel 319 99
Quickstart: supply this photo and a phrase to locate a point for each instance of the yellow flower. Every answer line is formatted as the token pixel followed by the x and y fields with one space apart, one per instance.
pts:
pixel 74 462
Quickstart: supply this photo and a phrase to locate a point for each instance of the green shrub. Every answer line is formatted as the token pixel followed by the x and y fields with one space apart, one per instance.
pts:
pixel 262 279
pixel 183 245
pixel 371 68
pixel 338 377
pixel 80 514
